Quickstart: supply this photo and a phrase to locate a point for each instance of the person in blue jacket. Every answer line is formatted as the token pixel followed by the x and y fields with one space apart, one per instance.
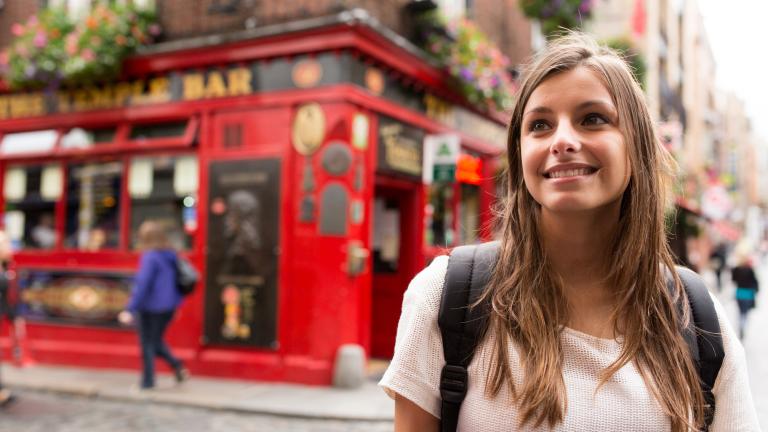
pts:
pixel 153 301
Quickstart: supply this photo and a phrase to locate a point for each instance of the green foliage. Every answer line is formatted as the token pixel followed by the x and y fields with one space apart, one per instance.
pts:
pixel 479 68
pixel 555 15
pixel 632 56
pixel 50 49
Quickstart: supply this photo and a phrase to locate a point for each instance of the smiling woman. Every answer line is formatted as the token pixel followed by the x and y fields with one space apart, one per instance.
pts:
pixel 581 318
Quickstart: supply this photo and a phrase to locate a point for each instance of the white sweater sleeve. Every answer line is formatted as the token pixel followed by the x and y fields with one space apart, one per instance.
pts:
pixel 734 409
pixel 414 372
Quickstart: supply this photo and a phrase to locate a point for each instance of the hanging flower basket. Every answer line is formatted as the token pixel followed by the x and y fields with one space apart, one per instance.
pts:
pixel 479 68
pixel 556 15
pixel 50 50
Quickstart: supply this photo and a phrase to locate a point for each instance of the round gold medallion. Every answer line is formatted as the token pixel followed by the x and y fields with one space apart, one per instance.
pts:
pixel 308 129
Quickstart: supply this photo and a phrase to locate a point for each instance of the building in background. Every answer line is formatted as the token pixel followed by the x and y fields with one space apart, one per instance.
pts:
pixel 282 144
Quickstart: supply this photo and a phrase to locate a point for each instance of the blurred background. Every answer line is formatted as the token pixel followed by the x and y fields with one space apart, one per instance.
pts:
pixel 309 158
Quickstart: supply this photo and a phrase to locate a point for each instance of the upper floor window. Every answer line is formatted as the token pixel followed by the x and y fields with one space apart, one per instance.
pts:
pixel 30 194
pixel 93 205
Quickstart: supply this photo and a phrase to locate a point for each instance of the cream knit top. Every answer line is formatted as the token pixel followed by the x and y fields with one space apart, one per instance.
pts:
pixel 622 404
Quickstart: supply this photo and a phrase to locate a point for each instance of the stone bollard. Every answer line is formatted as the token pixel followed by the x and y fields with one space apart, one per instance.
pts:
pixel 349 368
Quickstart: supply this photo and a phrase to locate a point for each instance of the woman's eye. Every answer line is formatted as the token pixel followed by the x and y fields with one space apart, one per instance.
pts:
pixel 538 126
pixel 594 120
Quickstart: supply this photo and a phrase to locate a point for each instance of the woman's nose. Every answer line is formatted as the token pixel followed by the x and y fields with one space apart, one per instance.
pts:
pixel 565 140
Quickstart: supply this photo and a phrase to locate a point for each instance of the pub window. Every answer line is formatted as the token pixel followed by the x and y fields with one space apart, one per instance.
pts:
pixel 28 142
pixel 87 138
pixel 93 205
pixel 164 189
pixel 469 213
pixel 30 194
pixel 439 214
pixel 173 129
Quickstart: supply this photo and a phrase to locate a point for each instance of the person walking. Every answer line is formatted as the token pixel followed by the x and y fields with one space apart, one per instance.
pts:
pixel 153 302
pixel 582 331
pixel 747 286
pixel 6 311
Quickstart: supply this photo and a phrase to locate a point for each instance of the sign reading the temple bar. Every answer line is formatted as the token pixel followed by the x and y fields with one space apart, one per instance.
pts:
pixel 400 148
pixel 241 284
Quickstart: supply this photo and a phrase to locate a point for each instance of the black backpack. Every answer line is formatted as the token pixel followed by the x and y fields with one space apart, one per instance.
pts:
pixel 186 276
pixel 469 269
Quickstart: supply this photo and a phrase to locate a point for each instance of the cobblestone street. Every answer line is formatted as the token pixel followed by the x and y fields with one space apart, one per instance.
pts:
pixel 44 412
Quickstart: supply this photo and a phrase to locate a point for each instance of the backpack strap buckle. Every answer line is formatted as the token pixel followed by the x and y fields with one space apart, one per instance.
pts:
pixel 453 383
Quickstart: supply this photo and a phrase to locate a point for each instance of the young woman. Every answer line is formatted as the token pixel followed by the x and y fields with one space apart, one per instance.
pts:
pixel 582 333
pixel 153 302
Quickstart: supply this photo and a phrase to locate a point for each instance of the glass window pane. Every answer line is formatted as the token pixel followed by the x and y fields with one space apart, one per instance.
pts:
pixel 469 214
pixel 86 138
pixel 162 201
pixel 439 215
pixel 158 130
pixel 93 205
pixel 29 215
pixel 28 142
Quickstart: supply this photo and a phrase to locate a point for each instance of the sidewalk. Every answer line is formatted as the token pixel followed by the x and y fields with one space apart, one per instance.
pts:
pixel 366 403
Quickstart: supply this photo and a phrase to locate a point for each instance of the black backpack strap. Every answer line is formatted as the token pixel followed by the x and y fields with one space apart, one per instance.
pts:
pixel 707 350
pixel 469 269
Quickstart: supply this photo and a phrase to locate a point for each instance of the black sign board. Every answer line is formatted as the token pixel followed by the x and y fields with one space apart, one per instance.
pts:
pixel 243 226
pixel 400 148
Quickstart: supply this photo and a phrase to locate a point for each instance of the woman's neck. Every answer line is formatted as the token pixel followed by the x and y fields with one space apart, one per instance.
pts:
pixel 578 245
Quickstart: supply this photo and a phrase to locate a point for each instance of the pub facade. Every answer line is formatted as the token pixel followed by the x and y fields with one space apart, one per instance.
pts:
pixel 289 169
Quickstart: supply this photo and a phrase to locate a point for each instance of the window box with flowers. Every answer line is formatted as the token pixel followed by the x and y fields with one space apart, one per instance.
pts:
pixel 480 70
pixel 50 50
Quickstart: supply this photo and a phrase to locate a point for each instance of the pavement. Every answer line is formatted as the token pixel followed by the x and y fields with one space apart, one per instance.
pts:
pixel 368 402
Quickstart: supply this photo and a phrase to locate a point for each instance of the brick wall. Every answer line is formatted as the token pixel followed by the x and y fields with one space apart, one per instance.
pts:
pixel 14 11
pixel 505 24
pixel 184 18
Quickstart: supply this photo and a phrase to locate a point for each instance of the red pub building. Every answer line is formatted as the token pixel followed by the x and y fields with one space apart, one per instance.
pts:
pixel 288 166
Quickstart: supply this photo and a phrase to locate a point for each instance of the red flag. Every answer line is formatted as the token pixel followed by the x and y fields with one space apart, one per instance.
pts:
pixel 638 19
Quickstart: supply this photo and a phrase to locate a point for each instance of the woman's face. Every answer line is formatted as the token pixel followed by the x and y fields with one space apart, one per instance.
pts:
pixel 573 153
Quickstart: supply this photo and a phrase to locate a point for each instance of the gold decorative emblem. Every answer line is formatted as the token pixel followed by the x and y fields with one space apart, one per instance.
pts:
pixel 308 129
pixel 306 73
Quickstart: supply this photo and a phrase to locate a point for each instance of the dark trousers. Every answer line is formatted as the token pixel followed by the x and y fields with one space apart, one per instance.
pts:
pixel 152 328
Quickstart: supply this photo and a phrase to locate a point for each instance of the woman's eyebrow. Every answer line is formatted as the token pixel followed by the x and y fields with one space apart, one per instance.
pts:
pixel 592 103
pixel 538 109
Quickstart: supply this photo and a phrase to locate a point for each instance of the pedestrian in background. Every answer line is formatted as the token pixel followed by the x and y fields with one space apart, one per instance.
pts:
pixel 6 311
pixel 582 331
pixel 718 259
pixel 154 300
pixel 744 278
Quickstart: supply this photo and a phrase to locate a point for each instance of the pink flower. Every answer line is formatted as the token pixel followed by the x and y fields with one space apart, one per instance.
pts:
pixel 4 58
pixel 40 39
pixel 71 44
pixel 88 54
pixel 17 29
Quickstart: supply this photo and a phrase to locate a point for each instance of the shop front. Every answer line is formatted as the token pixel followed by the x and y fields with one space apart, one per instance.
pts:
pixel 288 168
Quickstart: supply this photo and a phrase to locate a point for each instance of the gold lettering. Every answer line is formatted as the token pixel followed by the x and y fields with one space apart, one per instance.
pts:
pixel 216 86
pixel 4 107
pixel 36 104
pixel 239 81
pixel 193 86
pixel 19 106
pixel 160 89
pixel 80 100
pixel 122 94
pixel 63 101
pixel 101 98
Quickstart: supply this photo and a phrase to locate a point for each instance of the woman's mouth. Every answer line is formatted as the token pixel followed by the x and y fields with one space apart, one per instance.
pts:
pixel 571 172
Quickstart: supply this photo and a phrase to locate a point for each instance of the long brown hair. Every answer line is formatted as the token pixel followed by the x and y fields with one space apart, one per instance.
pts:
pixel 526 296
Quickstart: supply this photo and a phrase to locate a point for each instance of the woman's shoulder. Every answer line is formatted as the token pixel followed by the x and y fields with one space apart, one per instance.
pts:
pixel 427 286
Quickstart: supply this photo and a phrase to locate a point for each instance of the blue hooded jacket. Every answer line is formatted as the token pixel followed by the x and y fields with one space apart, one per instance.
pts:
pixel 154 288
